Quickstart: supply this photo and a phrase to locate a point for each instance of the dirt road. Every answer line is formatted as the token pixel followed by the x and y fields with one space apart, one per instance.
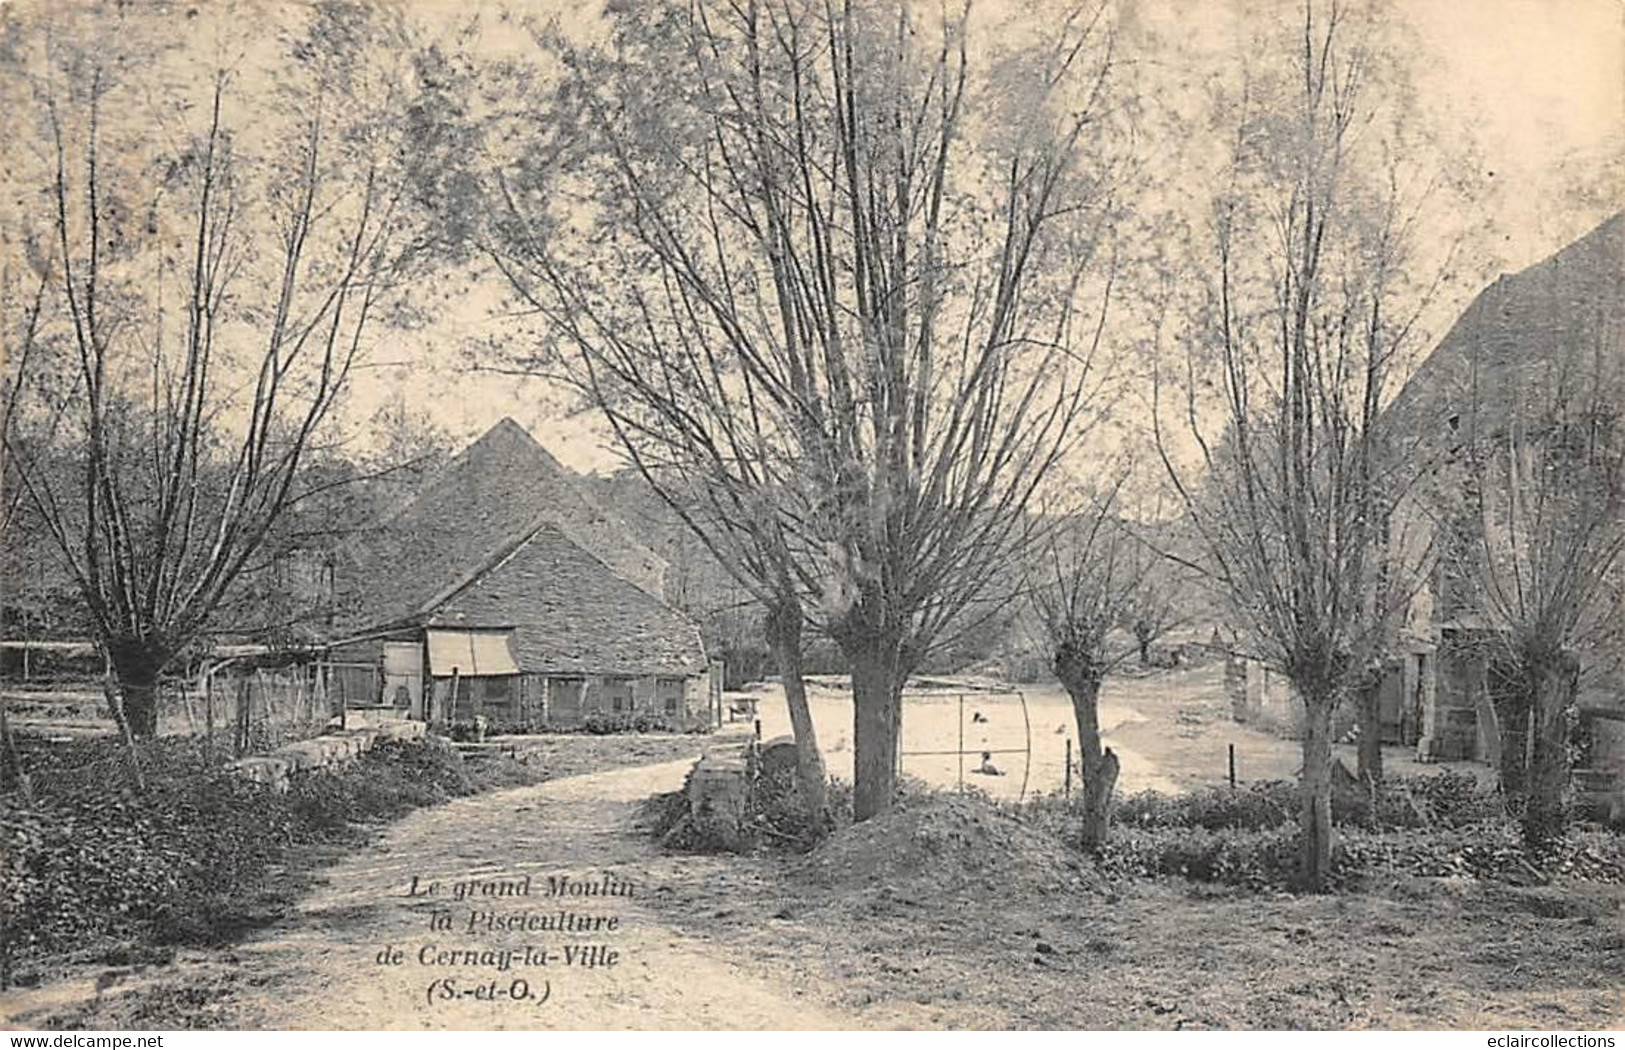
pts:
pixel 323 972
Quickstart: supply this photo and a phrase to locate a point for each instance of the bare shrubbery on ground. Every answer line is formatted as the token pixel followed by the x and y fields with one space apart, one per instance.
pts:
pixel 1436 825
pixel 195 858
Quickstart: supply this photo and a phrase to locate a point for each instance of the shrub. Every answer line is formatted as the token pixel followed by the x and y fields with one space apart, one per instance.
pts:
pixel 1446 799
pixel 600 723
pixel 188 860
pixel 1255 858
pixel 1264 804
pixel 596 723
pixel 468 729
pixel 1432 825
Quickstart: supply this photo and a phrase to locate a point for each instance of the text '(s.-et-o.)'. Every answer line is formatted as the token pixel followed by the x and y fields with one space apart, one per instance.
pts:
pixel 508 939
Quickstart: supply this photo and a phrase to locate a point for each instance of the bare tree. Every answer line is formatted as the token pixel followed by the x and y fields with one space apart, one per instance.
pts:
pixel 829 304
pixel 1101 597
pixel 1540 495
pixel 210 273
pixel 1313 302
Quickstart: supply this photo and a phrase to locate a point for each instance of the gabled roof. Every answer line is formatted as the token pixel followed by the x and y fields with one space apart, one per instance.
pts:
pixel 570 615
pixel 469 517
pixel 1559 321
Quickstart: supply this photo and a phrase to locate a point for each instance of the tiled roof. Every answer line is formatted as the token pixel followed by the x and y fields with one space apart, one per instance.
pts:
pixel 469 516
pixel 1557 321
pixel 571 615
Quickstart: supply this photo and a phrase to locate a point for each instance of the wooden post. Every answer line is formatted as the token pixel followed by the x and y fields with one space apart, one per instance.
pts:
pixel 1232 766
pixel 451 706
pixel 245 697
pixel 208 717
pixel 186 705
pixel 961 756
pixel 13 760
pixel 1067 793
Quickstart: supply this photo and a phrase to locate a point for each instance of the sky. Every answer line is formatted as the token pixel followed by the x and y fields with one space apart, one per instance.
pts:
pixel 1540 84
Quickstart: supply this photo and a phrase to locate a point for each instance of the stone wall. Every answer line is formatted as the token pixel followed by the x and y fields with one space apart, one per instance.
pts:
pixel 274 769
pixel 1261 696
pixel 718 793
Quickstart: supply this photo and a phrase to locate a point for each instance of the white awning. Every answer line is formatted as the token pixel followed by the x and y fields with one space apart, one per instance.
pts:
pixel 472 654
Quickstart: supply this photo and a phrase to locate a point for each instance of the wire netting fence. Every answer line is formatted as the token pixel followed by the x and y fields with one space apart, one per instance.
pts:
pixel 244 711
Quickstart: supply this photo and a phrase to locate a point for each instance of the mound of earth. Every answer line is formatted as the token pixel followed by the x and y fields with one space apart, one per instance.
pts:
pixel 948 844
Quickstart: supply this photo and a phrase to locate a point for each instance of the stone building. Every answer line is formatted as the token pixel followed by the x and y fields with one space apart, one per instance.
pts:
pixel 503 591
pixel 1511 353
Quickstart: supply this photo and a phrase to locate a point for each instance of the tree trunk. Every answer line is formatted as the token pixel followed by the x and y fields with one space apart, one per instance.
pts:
pixel 1369 757
pixel 1315 793
pixel 1510 698
pixel 136 666
pixel 876 685
pixel 1098 765
pixel 784 636
pixel 1554 685
pixel 11 761
pixel 1098 787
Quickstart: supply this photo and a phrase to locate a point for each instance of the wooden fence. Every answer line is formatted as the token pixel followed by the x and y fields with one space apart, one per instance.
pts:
pixel 243 711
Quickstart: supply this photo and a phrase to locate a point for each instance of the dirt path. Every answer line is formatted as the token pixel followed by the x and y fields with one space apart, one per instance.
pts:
pixel 322 972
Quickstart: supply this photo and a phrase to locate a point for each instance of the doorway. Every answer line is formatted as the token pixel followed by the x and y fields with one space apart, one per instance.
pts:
pixel 403 678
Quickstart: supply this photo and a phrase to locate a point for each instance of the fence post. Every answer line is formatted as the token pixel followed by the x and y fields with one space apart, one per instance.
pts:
pixel 186 705
pixel 1232 766
pixel 208 717
pixel 959 758
pixel 1068 790
pixel 245 697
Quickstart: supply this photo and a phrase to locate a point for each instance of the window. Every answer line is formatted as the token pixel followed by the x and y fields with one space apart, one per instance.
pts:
pixel 564 695
pixel 498 690
pixel 617 694
pixel 669 692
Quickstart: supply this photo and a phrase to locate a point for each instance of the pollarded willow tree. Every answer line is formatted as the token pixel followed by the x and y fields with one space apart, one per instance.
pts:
pixel 1539 488
pixel 1311 303
pixel 1101 593
pixel 212 242
pixel 822 284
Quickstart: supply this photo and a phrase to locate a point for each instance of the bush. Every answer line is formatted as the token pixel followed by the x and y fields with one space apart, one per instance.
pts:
pixel 1264 804
pixel 1431 825
pixel 600 723
pixel 596 723
pixel 1441 800
pixel 1447 799
pixel 1256 858
pixel 774 817
pixel 188 860
pixel 472 729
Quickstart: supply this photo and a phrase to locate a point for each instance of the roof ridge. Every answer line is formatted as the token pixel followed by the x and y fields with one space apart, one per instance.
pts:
pixel 502 553
pixel 443 471
pixel 505 553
